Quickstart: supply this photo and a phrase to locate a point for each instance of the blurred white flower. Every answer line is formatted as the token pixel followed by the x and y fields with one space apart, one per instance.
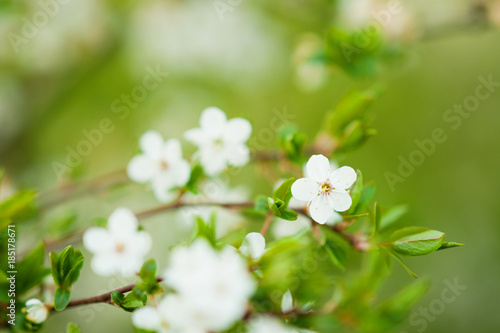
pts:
pixel 212 287
pixel 324 189
pixel 215 190
pixel 160 164
pixel 148 318
pixel 287 302
pixel 120 248
pixel 221 142
pixel 253 246
pixel 265 324
pixel 36 312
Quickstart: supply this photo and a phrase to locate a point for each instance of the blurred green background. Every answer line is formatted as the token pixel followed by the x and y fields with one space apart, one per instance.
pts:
pixel 65 79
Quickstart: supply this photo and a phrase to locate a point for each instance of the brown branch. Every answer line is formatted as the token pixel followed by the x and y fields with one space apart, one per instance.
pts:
pixel 267 223
pixel 103 298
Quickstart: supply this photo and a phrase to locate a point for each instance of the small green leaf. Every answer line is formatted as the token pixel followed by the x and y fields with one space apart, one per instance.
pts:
pixel 336 253
pixel 54 263
pixel 284 192
pixel 273 207
pixel 377 216
pixel 195 176
pixel 449 245
pixel 31 270
pixel 398 259
pixel 289 215
pixel 367 195
pixel 133 300
pixel 414 241
pixel 148 271
pixel 73 328
pixel 19 205
pixel 392 215
pixel 117 298
pixel 61 299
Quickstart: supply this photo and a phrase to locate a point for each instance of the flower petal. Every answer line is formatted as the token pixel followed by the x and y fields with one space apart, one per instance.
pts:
pixel 238 130
pixel 122 223
pixel 238 155
pixel 196 136
pixel 318 168
pixel 180 172
pixel 304 189
pixel 334 219
pixel 254 245
pixel 147 318
pixel 320 209
pixel 212 163
pixel 97 240
pixel 343 178
pixel 151 143
pixel 172 150
pixel 162 188
pixel 287 302
pixel 142 169
pixel 103 265
pixel 213 120
pixel 340 199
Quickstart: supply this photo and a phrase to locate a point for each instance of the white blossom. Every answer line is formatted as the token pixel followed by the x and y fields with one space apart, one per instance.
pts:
pixel 324 189
pixel 160 164
pixel 253 246
pixel 36 311
pixel 119 248
pixel 221 142
pixel 265 324
pixel 212 288
pixel 287 302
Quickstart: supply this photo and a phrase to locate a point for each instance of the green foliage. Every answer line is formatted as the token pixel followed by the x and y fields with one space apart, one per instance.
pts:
pixel 31 270
pixel 292 141
pixel 73 328
pixel 147 274
pixel 279 202
pixel 195 177
pixel 133 300
pixel 66 268
pixel 20 205
pixel 416 241
pixel 206 230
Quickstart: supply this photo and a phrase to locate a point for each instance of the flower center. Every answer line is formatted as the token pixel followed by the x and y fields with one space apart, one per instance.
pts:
pixel 163 165
pixel 325 188
pixel 120 247
pixel 218 143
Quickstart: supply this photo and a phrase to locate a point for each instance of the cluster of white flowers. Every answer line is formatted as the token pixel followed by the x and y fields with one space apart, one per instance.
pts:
pixel 212 291
pixel 120 248
pixel 324 189
pixel 220 142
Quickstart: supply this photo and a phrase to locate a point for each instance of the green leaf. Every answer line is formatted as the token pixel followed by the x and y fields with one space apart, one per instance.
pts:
pixel 133 300
pixel 273 206
pixel 30 270
pixel 61 299
pixel 54 263
pixel 292 141
pixel 336 253
pixel 148 271
pixel 195 176
pixel 289 215
pixel 19 205
pixel 416 241
pixel 355 193
pixel 284 192
pixel 205 230
pixel 66 266
pixel 76 266
pixel 397 306
pixel 398 259
pixel 73 328
pixel 449 245
pixel 392 215
pixel 377 216
pixel 367 195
